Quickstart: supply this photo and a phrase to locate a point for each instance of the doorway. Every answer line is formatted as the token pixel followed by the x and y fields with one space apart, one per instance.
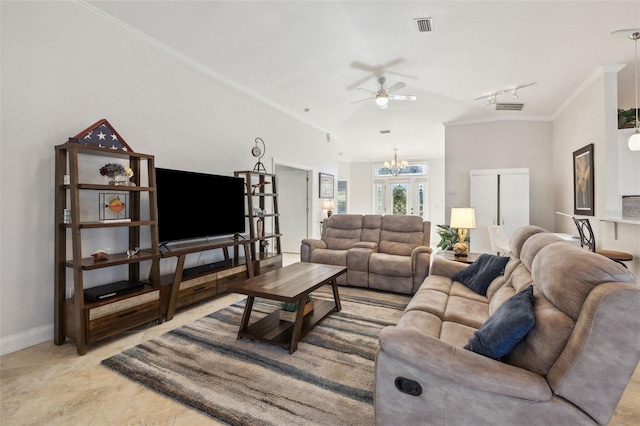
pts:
pixel 293 205
pixel 400 196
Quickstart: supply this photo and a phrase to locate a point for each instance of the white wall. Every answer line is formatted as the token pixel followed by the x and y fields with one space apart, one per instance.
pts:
pixel 63 69
pixel 591 117
pixel 501 145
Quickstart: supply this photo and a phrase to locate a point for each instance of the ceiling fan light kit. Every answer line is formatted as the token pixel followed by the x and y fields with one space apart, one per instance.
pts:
pixel 382 100
pixel 383 96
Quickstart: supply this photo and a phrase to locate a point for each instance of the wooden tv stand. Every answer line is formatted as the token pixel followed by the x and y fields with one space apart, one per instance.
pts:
pixel 187 286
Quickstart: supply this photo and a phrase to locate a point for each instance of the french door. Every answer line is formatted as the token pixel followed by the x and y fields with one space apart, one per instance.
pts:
pixel 400 196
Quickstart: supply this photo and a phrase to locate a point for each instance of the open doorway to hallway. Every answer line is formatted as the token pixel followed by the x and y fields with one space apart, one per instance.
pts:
pixel 293 205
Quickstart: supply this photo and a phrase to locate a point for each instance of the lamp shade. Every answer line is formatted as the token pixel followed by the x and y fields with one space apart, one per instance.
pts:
pixel 463 217
pixel 327 204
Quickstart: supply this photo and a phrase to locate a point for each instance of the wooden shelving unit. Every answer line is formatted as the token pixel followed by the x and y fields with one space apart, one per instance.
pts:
pixel 262 193
pixel 87 321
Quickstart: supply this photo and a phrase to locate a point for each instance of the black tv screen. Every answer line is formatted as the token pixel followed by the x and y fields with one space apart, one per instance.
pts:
pixel 196 205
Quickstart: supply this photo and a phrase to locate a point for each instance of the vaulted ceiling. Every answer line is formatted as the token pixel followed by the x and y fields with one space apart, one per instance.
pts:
pixel 307 58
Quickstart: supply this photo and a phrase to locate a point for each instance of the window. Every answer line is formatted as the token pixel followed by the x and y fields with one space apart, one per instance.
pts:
pixel 342 196
pixel 419 169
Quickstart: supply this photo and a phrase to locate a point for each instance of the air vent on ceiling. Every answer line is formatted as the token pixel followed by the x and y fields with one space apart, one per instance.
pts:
pixel 424 25
pixel 509 107
pixel 384 132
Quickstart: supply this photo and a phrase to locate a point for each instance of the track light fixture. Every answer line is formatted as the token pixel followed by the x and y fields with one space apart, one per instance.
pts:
pixel 492 98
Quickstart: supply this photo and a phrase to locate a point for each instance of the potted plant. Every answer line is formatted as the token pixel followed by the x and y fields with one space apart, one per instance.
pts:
pixel 448 237
pixel 289 310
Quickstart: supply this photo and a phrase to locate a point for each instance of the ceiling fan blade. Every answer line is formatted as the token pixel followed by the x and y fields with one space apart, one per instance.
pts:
pixel 371 92
pixel 399 74
pixel 396 86
pixel 364 67
pixel 359 82
pixel 403 97
pixel 362 100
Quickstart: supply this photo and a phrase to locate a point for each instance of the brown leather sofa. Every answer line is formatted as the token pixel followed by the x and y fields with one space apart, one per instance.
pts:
pixel 388 252
pixel 571 368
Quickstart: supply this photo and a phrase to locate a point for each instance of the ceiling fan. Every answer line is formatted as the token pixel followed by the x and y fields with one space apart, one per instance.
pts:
pixel 383 96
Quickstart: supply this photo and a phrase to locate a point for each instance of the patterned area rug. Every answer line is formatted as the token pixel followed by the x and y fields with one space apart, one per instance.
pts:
pixel 327 381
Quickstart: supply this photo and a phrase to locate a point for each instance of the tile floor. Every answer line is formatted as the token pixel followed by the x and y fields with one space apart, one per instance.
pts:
pixel 52 385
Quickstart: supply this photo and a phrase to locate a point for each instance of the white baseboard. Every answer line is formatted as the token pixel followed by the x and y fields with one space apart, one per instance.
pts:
pixel 15 342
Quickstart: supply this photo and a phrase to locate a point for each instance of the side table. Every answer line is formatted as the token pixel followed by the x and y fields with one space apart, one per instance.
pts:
pixel 449 255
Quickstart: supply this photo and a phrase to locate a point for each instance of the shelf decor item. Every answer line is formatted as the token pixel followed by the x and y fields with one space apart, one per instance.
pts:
pixel 118 174
pixel 114 206
pixel 259 153
pixel 103 135
pixel 102 254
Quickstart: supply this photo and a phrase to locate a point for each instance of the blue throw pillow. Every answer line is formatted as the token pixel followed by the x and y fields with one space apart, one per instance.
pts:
pixel 479 274
pixel 507 326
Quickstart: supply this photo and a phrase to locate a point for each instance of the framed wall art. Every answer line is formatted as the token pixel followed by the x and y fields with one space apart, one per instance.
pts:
pixel 326 185
pixel 583 183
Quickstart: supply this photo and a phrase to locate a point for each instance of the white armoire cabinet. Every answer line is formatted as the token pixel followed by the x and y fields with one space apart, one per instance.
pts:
pixel 499 197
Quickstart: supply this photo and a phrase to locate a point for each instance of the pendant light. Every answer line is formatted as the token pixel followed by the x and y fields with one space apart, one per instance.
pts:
pixel 634 140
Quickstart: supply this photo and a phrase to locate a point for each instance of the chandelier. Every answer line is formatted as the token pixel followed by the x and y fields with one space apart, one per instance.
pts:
pixel 395 167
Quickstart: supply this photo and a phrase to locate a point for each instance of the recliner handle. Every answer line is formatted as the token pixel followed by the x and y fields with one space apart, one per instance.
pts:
pixel 408 386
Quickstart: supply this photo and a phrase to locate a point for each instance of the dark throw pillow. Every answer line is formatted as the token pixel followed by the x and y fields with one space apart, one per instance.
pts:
pixel 480 273
pixel 507 326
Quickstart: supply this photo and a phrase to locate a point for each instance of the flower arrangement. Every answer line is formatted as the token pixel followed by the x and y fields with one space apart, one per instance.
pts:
pixel 112 170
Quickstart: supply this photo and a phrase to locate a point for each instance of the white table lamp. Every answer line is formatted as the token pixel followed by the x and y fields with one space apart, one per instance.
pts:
pixel 328 206
pixel 462 219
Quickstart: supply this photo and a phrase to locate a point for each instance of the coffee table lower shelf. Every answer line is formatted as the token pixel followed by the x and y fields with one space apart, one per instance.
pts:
pixel 273 330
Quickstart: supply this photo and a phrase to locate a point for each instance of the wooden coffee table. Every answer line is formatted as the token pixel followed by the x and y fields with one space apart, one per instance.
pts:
pixel 289 284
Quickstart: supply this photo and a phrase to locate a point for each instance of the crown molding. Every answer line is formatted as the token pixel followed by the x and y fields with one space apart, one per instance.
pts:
pixel 539 118
pixel 189 62
pixel 601 70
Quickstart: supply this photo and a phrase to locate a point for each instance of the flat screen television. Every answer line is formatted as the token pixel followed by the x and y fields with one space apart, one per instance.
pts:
pixel 194 205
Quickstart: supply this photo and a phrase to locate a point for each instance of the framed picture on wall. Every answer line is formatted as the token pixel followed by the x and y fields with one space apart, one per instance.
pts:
pixel 583 183
pixel 326 185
